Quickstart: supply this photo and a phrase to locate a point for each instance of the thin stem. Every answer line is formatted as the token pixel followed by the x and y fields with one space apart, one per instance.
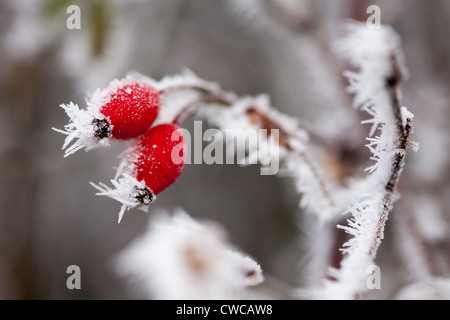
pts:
pixel 401 142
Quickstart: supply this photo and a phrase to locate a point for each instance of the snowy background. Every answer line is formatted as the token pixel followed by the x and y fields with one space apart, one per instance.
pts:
pixel 50 217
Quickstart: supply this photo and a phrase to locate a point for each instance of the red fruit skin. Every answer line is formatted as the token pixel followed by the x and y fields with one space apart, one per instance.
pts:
pixel 154 164
pixel 131 109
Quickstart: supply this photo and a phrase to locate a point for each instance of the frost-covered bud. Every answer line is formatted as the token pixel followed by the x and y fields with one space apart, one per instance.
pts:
pixel 180 258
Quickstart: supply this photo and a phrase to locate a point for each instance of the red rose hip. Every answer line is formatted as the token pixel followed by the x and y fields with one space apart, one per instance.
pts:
pixel 152 164
pixel 160 157
pixel 124 110
pixel 131 109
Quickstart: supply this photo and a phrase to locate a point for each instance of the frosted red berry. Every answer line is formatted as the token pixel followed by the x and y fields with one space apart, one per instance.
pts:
pixel 152 164
pixel 130 109
pixel 160 156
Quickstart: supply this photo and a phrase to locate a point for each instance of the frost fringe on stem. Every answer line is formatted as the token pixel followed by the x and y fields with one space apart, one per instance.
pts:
pixel 186 93
pixel 180 258
pixel 379 59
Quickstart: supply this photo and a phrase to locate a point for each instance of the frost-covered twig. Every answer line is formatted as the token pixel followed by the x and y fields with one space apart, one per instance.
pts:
pixel 378 57
pixel 180 258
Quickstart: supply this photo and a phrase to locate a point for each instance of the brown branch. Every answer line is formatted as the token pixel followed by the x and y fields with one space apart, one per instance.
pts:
pixel 370 216
pixel 392 86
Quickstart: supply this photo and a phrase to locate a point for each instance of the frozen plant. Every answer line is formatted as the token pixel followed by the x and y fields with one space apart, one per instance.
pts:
pixel 279 65
pixel 180 258
pixel 184 94
pixel 378 58
pixel 146 168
